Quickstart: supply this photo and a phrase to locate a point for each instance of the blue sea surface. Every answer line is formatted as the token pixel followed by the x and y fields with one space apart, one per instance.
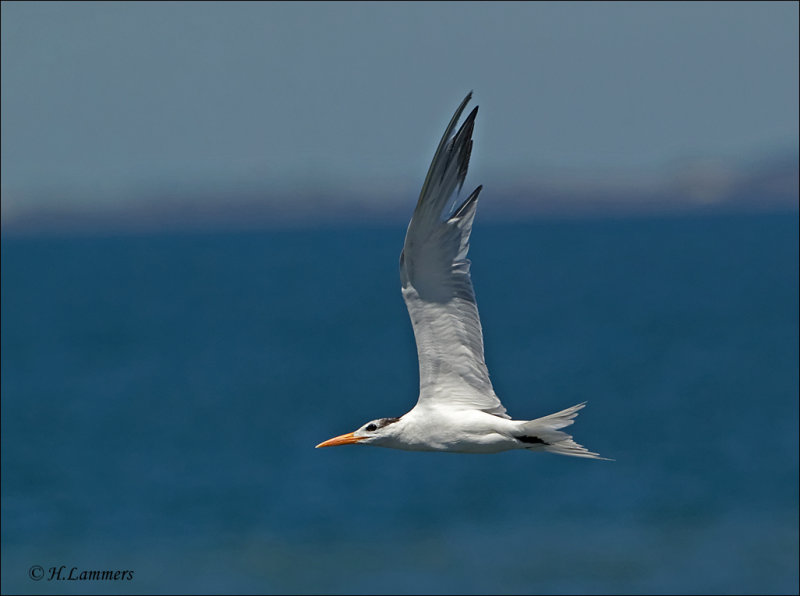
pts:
pixel 162 395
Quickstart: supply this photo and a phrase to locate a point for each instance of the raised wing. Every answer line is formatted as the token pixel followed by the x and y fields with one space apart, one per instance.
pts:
pixel 434 271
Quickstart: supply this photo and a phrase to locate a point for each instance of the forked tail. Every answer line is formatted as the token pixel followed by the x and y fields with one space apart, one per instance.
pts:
pixel 546 433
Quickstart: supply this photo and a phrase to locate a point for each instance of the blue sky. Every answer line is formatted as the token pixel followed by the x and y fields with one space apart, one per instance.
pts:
pixel 103 102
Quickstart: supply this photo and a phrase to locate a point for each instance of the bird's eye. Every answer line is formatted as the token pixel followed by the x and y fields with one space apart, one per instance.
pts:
pixel 371 427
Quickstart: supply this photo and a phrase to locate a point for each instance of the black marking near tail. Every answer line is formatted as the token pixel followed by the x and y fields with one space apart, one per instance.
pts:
pixel 532 440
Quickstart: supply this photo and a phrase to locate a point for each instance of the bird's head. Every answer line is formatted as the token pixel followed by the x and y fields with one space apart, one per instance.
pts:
pixel 374 432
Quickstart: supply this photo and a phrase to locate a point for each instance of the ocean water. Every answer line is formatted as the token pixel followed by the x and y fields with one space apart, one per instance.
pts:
pixel 162 396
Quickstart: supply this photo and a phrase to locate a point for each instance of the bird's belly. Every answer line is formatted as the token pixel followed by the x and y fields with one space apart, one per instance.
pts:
pixel 484 445
pixel 461 440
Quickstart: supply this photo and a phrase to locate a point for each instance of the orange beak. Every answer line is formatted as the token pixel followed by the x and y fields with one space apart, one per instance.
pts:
pixel 341 440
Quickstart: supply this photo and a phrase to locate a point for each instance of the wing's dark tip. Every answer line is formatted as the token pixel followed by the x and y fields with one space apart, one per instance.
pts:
pixel 461 146
pixel 532 440
pixel 466 127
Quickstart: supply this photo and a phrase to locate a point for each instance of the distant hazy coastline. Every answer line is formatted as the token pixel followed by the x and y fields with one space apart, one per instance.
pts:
pixel 699 186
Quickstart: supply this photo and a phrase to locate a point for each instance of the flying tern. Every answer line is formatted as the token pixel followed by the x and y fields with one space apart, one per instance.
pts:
pixel 457 409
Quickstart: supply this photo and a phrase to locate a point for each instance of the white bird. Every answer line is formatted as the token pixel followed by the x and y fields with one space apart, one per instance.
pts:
pixel 457 409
